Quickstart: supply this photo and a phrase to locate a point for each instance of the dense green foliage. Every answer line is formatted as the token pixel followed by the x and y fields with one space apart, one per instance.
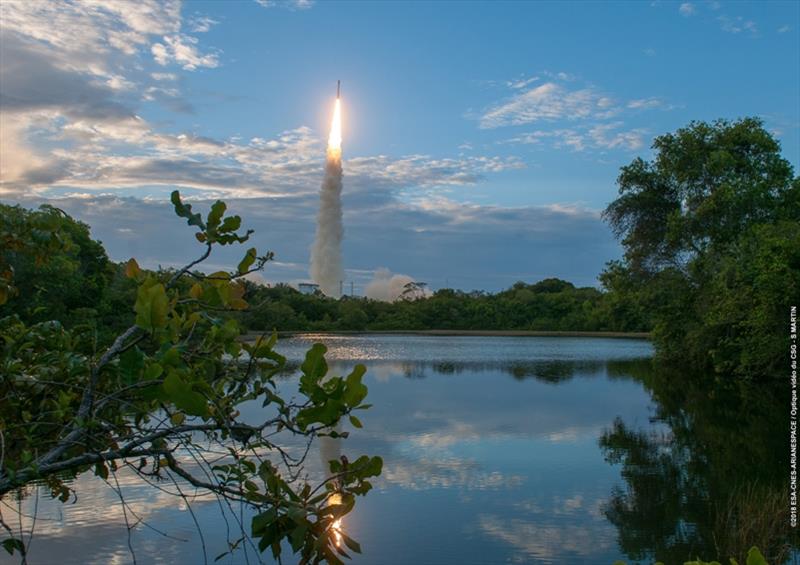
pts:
pixel 167 391
pixel 711 230
pixel 550 305
pixel 63 270
pixel 80 286
pixel 61 273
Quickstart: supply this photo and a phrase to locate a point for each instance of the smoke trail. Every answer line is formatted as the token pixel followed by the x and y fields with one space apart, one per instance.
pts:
pixel 326 253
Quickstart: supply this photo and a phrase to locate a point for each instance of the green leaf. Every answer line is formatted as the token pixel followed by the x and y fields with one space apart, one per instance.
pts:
pixel 231 224
pixel 196 291
pixel 12 544
pixel 356 422
pixel 355 392
pixel 325 414
pixel 132 270
pixel 350 542
pixel 131 363
pixel 181 394
pixel 215 215
pixel 754 557
pixel 151 306
pixel 185 210
pixel 314 367
pixel 249 259
pixel 297 537
pixel 368 466
pixel 330 556
pixel 101 470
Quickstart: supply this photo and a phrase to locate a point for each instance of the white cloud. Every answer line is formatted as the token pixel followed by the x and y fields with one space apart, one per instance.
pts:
pixel 521 82
pixel 425 171
pixel 645 103
pixel 549 101
pixel 164 76
pixel 738 25
pixel 784 29
pixel 583 138
pixel 290 4
pixel 182 49
pixel 86 31
pixel 119 82
pixel 604 136
pixel 605 102
pixel 68 74
pixel 687 9
pixel 201 24
pixel 101 150
pixel 580 116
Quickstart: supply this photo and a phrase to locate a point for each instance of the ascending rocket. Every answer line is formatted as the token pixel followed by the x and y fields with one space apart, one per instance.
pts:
pixel 338 86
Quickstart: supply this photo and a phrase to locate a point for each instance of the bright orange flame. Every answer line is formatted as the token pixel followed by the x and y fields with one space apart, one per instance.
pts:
pixel 335 138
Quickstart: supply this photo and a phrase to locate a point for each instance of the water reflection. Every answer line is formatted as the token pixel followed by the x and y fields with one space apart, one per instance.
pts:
pixel 330 449
pixel 712 482
pixel 526 450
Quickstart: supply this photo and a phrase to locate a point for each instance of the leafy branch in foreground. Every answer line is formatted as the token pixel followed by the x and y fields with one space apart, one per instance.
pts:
pixel 165 400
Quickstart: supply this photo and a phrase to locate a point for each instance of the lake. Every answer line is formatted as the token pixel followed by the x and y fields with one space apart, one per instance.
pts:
pixel 496 450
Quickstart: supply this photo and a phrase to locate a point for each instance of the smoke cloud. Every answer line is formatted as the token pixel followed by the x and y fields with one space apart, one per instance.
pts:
pixel 388 287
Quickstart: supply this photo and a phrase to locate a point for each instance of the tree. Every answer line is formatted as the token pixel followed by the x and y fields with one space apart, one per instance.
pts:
pixel 56 260
pixel 167 389
pixel 691 212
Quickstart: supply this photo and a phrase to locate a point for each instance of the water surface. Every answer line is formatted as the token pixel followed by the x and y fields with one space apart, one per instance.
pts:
pixel 496 450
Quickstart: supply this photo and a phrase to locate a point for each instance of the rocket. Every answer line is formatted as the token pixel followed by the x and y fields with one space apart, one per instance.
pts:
pixel 338 86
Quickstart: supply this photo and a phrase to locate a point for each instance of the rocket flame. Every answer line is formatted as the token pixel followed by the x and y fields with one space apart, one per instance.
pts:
pixel 335 137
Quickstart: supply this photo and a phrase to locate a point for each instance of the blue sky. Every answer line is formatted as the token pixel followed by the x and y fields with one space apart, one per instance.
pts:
pixel 481 140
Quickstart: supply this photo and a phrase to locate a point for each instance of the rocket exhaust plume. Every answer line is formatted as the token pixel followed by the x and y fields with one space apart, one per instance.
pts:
pixel 326 253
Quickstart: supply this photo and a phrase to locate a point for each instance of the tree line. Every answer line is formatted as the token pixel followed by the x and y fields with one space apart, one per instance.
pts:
pixel 80 286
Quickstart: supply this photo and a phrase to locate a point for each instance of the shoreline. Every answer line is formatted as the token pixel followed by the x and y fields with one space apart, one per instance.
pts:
pixel 475 333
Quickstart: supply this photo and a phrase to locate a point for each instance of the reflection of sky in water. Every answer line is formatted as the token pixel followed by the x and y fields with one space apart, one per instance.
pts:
pixel 441 349
pixel 490 455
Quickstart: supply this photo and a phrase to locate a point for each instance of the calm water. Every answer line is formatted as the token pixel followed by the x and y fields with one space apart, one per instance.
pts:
pixel 496 450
